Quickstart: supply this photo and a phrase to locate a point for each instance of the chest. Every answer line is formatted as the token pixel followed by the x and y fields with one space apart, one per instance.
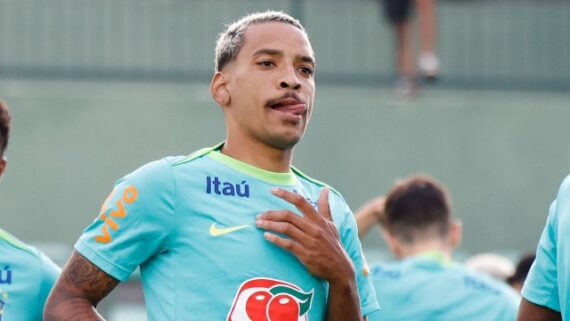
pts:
pixel 218 252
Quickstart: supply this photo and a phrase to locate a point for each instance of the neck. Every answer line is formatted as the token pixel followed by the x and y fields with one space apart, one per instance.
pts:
pixel 422 247
pixel 259 154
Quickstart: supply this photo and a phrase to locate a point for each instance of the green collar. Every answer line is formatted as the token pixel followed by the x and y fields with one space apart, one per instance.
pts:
pixel 437 256
pixel 288 178
pixel 10 239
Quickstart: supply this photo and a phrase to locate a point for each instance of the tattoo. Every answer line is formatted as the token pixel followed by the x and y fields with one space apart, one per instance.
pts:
pixel 78 290
pixel 80 272
pixel 88 278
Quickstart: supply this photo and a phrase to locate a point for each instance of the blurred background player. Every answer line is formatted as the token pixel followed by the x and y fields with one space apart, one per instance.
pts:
pixel 26 274
pixel 424 283
pixel 516 281
pixel 190 222
pixel 399 14
pixel 495 265
pixel 546 291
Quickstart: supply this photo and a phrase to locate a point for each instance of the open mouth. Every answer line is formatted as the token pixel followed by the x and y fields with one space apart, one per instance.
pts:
pixel 291 106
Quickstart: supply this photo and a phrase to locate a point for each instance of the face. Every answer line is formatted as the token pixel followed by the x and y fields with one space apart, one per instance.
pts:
pixel 268 91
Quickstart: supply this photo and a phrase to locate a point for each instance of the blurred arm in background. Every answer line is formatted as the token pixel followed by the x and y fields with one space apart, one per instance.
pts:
pixel 369 214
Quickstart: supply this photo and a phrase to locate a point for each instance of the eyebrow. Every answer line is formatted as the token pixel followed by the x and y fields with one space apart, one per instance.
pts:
pixel 275 52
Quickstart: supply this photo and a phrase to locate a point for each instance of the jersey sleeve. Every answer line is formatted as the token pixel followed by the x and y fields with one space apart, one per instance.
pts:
pixel 134 223
pixel 541 285
pixel 349 238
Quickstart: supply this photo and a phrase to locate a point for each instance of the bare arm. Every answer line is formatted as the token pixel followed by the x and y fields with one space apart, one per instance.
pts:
pixel 529 311
pixel 369 214
pixel 315 241
pixel 77 292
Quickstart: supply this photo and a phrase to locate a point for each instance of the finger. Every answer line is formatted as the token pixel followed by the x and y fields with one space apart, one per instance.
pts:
pixel 286 216
pixel 299 201
pixel 284 228
pixel 324 207
pixel 287 244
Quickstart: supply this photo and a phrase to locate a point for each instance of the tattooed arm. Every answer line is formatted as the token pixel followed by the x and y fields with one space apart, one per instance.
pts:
pixel 77 292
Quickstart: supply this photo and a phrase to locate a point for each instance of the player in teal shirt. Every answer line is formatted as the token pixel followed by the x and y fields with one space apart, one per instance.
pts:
pixel 425 284
pixel 174 218
pixel 232 232
pixel 26 274
pixel 26 277
pixel 546 291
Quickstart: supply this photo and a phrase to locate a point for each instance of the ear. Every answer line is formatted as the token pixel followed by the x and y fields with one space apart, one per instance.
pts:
pixel 3 164
pixel 455 233
pixel 219 89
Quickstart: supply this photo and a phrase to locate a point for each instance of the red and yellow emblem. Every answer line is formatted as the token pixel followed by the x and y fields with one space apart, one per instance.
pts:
pixel 263 299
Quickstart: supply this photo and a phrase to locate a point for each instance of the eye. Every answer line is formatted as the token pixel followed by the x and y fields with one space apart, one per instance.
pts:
pixel 307 70
pixel 266 63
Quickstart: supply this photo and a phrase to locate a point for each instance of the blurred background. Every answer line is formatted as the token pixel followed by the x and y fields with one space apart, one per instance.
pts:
pixel 98 88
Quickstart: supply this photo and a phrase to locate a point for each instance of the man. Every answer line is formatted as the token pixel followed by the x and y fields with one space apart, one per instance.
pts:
pixel 399 14
pixel 231 232
pixel 26 274
pixel 546 291
pixel 425 284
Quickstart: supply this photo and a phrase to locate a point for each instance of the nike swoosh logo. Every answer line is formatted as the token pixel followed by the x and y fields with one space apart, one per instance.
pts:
pixel 216 231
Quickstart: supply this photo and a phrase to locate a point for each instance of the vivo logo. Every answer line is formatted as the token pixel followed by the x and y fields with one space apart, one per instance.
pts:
pixel 215 186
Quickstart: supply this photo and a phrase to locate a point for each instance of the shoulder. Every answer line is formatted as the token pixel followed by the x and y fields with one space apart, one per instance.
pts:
pixel 316 183
pixel 560 208
pixel 340 211
pixel 565 186
pixel 192 157
pixel 336 200
pixel 409 268
pixel 389 270
pixel 162 171
pixel 17 247
pixel 563 195
pixel 485 284
pixel 25 256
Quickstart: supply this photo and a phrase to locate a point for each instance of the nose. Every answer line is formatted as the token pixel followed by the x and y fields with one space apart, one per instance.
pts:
pixel 290 80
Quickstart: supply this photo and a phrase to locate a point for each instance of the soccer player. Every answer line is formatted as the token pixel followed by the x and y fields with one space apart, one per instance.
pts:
pixel 399 14
pixel 26 274
pixel 546 291
pixel 232 232
pixel 424 284
pixel 498 266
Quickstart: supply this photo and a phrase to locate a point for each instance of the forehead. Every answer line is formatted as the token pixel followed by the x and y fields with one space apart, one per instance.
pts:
pixel 276 35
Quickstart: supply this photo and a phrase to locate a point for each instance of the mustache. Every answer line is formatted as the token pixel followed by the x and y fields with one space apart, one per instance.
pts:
pixel 274 101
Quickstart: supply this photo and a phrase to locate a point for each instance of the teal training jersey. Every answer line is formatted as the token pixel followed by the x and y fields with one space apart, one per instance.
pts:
pixel 26 277
pixel 547 283
pixel 189 223
pixel 427 288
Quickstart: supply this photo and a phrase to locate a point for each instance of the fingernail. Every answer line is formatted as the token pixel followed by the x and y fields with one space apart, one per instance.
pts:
pixel 258 216
pixel 259 223
pixel 275 190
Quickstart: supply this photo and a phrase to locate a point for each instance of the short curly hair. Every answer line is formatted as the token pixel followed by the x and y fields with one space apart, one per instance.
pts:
pixel 232 39
pixel 4 126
